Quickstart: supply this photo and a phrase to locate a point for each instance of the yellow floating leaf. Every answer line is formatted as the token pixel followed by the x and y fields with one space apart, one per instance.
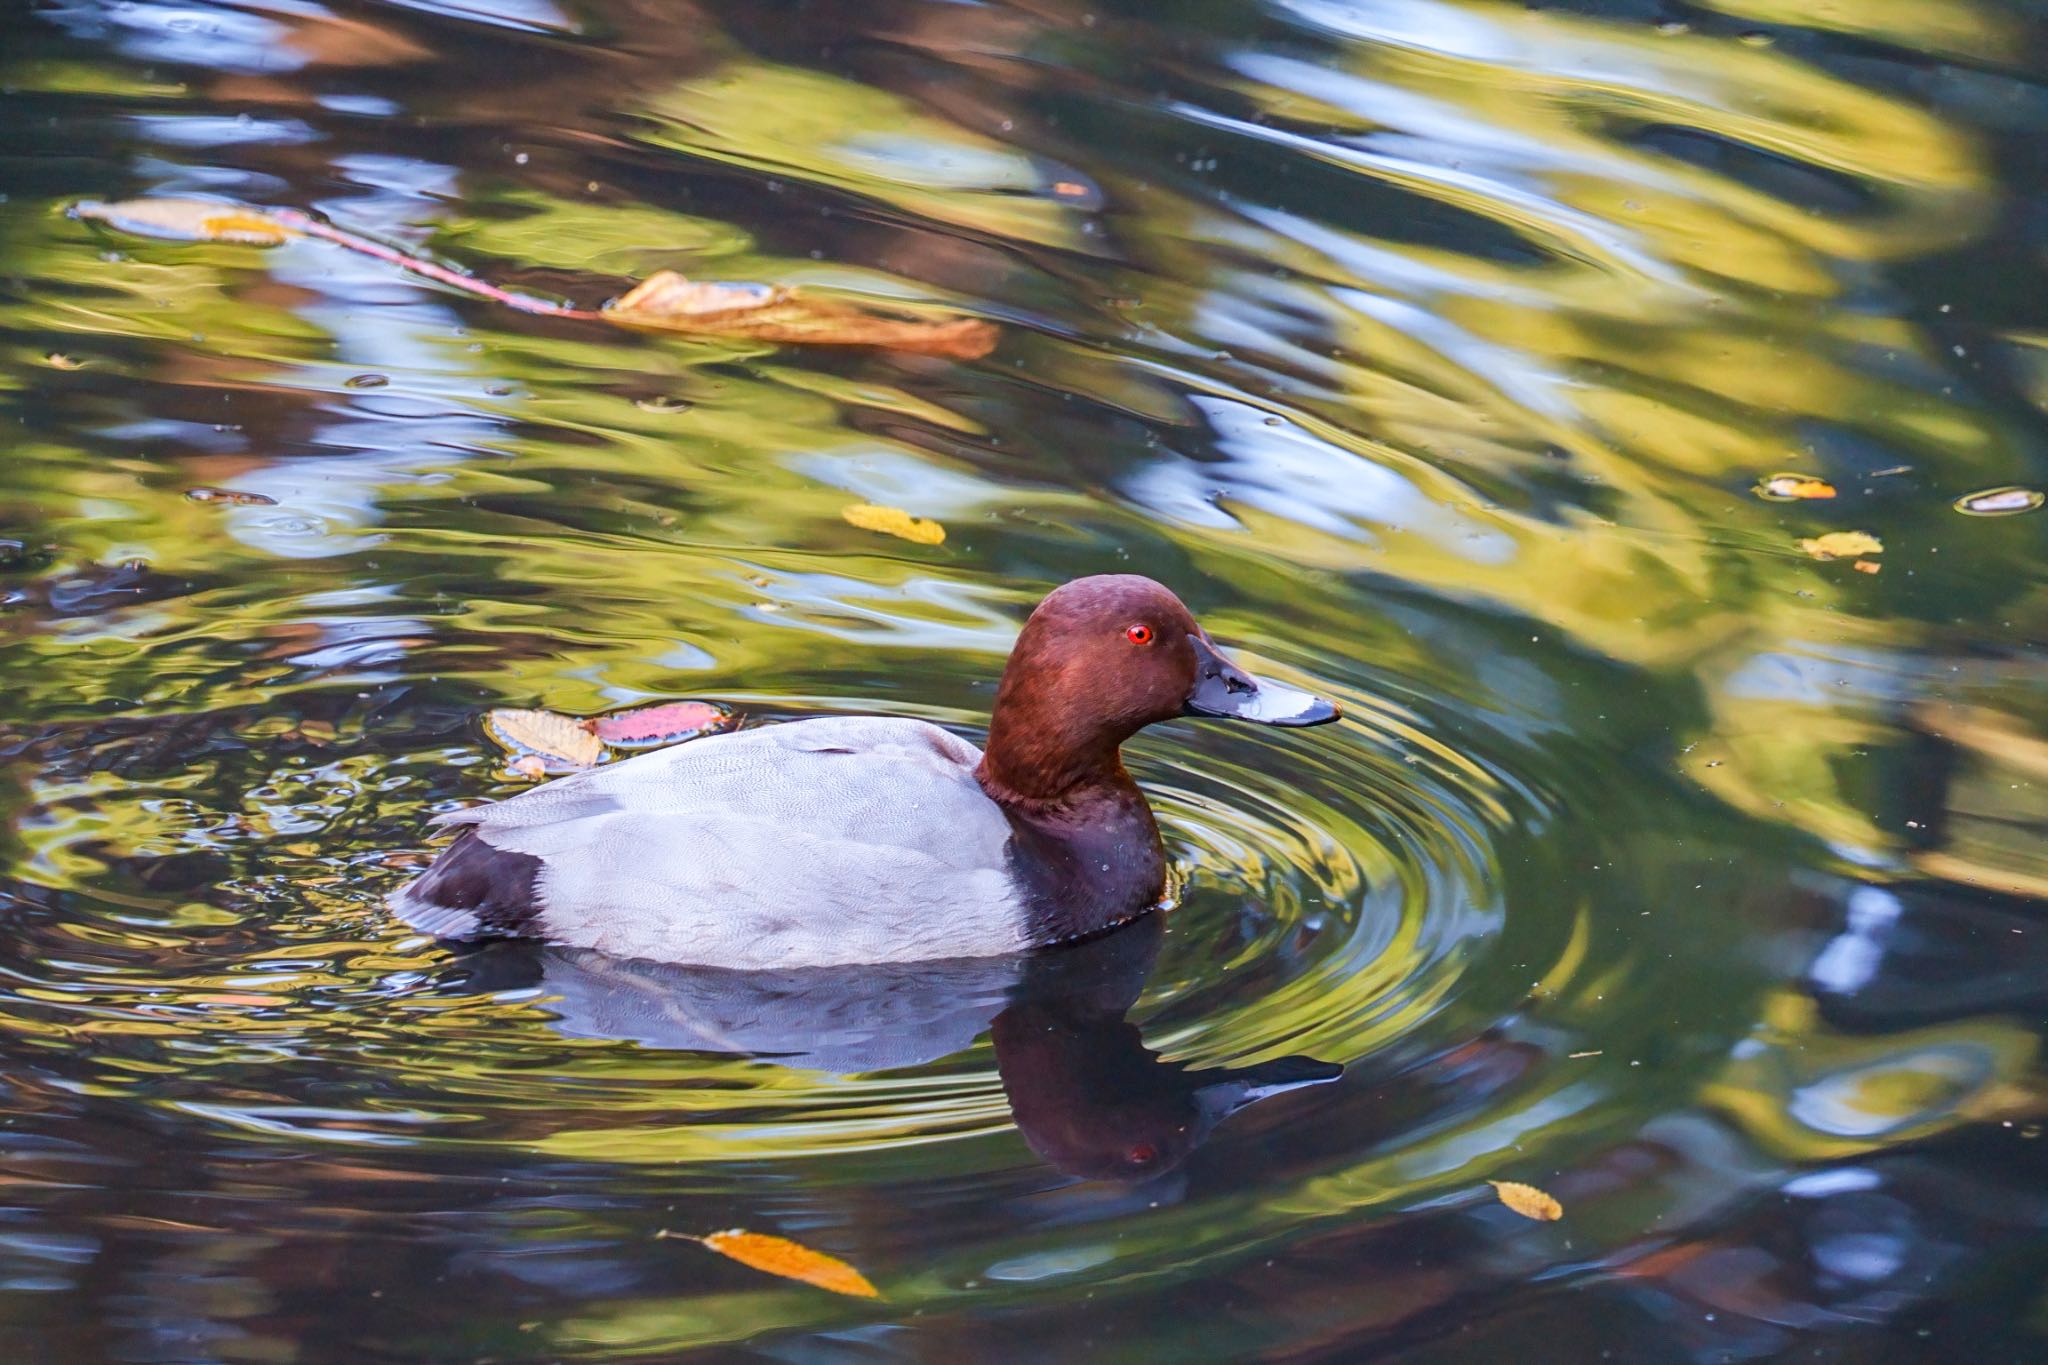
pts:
pixel 1528 1201
pixel 1842 545
pixel 665 301
pixel 561 743
pixel 1866 566
pixel 790 1260
pixel 189 220
pixel 894 521
pixel 1792 487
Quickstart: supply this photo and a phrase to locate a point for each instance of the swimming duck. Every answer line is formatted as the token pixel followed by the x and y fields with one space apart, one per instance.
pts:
pixel 858 839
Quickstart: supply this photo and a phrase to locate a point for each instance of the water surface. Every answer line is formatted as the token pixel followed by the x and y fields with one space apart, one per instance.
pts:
pixel 1431 349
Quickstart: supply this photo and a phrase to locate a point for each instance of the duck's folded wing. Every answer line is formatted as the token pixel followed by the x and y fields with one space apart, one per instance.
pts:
pixel 872 776
pixel 806 844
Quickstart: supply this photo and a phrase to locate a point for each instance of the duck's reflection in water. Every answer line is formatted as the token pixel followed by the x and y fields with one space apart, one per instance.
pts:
pixel 1087 1094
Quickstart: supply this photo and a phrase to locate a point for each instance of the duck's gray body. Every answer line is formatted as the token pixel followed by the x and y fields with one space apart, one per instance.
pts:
pixel 810 843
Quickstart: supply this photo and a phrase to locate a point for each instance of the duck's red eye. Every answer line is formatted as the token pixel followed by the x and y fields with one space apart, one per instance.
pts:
pixel 1138 635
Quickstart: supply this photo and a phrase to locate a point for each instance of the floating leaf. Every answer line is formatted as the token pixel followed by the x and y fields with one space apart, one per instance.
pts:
pixel 894 521
pixel 530 766
pixel 665 301
pixel 1999 502
pixel 1528 1201
pixel 670 722
pixel 790 1260
pixel 1793 487
pixel 57 360
pixel 234 497
pixel 561 743
pixel 1842 545
pixel 189 220
pixel 1866 566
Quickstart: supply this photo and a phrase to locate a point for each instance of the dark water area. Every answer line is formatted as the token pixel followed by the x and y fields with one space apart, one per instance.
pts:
pixel 1433 350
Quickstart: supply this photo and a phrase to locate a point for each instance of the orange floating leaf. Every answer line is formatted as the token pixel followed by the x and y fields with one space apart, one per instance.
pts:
pixel 1842 545
pixel 894 521
pixel 561 743
pixel 1528 1201
pixel 1793 487
pixel 790 1260
pixel 189 220
pixel 668 723
pixel 1866 566
pixel 666 301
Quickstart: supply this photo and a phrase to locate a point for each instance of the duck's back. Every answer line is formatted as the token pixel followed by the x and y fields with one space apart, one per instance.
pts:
pixel 809 843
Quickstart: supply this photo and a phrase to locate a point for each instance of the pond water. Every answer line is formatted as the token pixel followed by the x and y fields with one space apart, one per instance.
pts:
pixel 1433 350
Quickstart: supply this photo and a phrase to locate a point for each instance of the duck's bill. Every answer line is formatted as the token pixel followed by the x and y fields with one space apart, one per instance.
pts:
pixel 1225 691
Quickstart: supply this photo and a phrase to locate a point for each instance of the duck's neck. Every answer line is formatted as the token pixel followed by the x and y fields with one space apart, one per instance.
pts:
pixel 1034 761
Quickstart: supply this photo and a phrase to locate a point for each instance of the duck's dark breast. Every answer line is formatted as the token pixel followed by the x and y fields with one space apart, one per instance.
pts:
pixel 1094 867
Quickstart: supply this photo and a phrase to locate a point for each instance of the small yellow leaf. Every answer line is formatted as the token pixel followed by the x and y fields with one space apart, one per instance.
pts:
pixel 894 521
pixel 562 743
pixel 1842 545
pixel 790 1260
pixel 1528 1201
pixel 189 220
pixel 1791 487
pixel 666 301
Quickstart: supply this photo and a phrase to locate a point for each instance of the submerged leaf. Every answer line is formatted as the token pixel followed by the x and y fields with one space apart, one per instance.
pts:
pixel 790 1260
pixel 1842 545
pixel 189 220
pixel 561 743
pixel 1528 1201
pixel 666 301
pixel 233 496
pixel 1792 487
pixel 668 723
pixel 1999 502
pixel 894 521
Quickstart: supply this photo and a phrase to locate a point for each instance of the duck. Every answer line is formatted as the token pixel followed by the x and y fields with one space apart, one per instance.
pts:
pixel 845 840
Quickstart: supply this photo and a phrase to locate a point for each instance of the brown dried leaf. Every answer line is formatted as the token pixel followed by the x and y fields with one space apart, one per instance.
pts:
pixel 189 220
pixel 1842 545
pixel 894 521
pixel 790 1260
pixel 561 743
pixel 1528 1201
pixel 665 301
pixel 1793 487
pixel 232 496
